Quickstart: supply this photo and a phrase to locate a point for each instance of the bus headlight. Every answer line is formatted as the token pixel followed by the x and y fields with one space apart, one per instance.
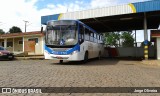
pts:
pixel 76 51
pixel 46 51
pixel 1 53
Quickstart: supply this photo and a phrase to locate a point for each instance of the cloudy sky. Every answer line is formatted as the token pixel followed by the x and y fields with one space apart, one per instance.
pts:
pixel 13 12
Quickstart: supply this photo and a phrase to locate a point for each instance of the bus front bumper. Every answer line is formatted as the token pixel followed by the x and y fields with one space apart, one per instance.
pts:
pixel 72 57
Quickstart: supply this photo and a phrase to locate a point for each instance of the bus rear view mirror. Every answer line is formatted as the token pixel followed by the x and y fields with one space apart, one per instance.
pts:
pixel 41 29
pixel 44 32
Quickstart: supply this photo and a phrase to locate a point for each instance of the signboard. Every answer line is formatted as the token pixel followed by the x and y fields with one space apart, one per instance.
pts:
pixel 29 46
pixel 146 42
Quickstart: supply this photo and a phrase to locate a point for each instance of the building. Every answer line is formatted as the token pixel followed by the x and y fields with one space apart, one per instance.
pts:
pixel 126 17
pixel 15 42
pixel 155 37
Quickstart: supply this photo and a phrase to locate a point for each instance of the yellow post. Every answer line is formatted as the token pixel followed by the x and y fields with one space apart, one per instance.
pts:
pixel 146 52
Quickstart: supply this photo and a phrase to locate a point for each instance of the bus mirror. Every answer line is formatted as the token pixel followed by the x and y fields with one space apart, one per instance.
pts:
pixel 42 30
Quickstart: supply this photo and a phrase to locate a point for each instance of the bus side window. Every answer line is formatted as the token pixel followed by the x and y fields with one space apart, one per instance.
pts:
pixel 86 34
pixel 98 38
pixel 81 32
pixel 95 37
pixel 101 41
pixel 91 36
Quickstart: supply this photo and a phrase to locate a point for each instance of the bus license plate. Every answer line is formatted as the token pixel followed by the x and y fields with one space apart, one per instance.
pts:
pixel 59 57
pixel 10 56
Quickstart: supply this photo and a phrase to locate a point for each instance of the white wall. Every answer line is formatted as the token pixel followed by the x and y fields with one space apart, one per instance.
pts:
pixel 158 48
pixel 134 52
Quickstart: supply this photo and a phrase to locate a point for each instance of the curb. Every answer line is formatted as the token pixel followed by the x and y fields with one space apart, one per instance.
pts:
pixel 151 62
pixel 29 58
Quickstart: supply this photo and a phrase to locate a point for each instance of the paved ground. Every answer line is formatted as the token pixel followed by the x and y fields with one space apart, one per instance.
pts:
pixel 103 73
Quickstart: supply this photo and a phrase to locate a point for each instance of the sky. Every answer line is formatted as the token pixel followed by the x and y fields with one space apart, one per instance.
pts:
pixel 14 12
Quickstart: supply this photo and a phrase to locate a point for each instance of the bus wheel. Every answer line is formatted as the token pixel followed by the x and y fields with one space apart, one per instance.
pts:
pixel 86 57
pixel 61 61
pixel 99 56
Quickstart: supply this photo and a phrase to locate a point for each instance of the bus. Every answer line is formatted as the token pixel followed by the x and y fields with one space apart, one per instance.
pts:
pixel 72 40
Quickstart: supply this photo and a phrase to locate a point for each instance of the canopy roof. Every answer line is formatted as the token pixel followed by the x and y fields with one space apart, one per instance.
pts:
pixel 116 18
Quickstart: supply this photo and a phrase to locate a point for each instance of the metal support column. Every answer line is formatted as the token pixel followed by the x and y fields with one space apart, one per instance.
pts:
pixel 135 38
pixel 145 38
pixel 136 42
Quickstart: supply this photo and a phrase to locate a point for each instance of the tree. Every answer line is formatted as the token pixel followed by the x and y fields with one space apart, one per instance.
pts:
pixel 112 38
pixel 15 29
pixel 127 39
pixel 2 32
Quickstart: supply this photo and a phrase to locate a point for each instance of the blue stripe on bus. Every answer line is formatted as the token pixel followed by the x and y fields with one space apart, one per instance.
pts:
pixel 67 52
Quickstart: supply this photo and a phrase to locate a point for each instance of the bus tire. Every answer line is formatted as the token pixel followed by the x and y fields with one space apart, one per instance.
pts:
pixel 85 57
pixel 61 61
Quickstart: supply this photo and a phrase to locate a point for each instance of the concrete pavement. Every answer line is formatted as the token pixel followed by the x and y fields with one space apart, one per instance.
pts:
pixel 95 73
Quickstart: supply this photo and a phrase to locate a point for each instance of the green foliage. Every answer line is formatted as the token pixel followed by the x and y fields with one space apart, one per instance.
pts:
pixel 15 29
pixel 127 39
pixel 1 31
pixel 112 38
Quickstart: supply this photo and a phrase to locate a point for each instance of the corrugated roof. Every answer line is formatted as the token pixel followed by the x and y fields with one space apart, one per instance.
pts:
pixel 155 33
pixel 147 6
pixel 22 34
pixel 116 18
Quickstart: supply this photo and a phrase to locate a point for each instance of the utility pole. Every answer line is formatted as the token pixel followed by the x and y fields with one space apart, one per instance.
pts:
pixel 25 24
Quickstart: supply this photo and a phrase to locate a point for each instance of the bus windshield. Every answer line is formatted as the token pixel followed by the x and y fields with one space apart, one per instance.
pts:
pixel 61 35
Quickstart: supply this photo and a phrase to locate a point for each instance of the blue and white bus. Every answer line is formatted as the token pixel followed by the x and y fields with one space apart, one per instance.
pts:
pixel 72 40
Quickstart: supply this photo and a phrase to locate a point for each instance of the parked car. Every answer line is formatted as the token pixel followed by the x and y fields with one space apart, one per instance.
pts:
pixel 4 54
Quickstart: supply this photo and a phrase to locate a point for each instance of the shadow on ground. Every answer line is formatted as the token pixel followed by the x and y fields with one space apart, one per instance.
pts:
pixel 96 62
pixel 7 60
